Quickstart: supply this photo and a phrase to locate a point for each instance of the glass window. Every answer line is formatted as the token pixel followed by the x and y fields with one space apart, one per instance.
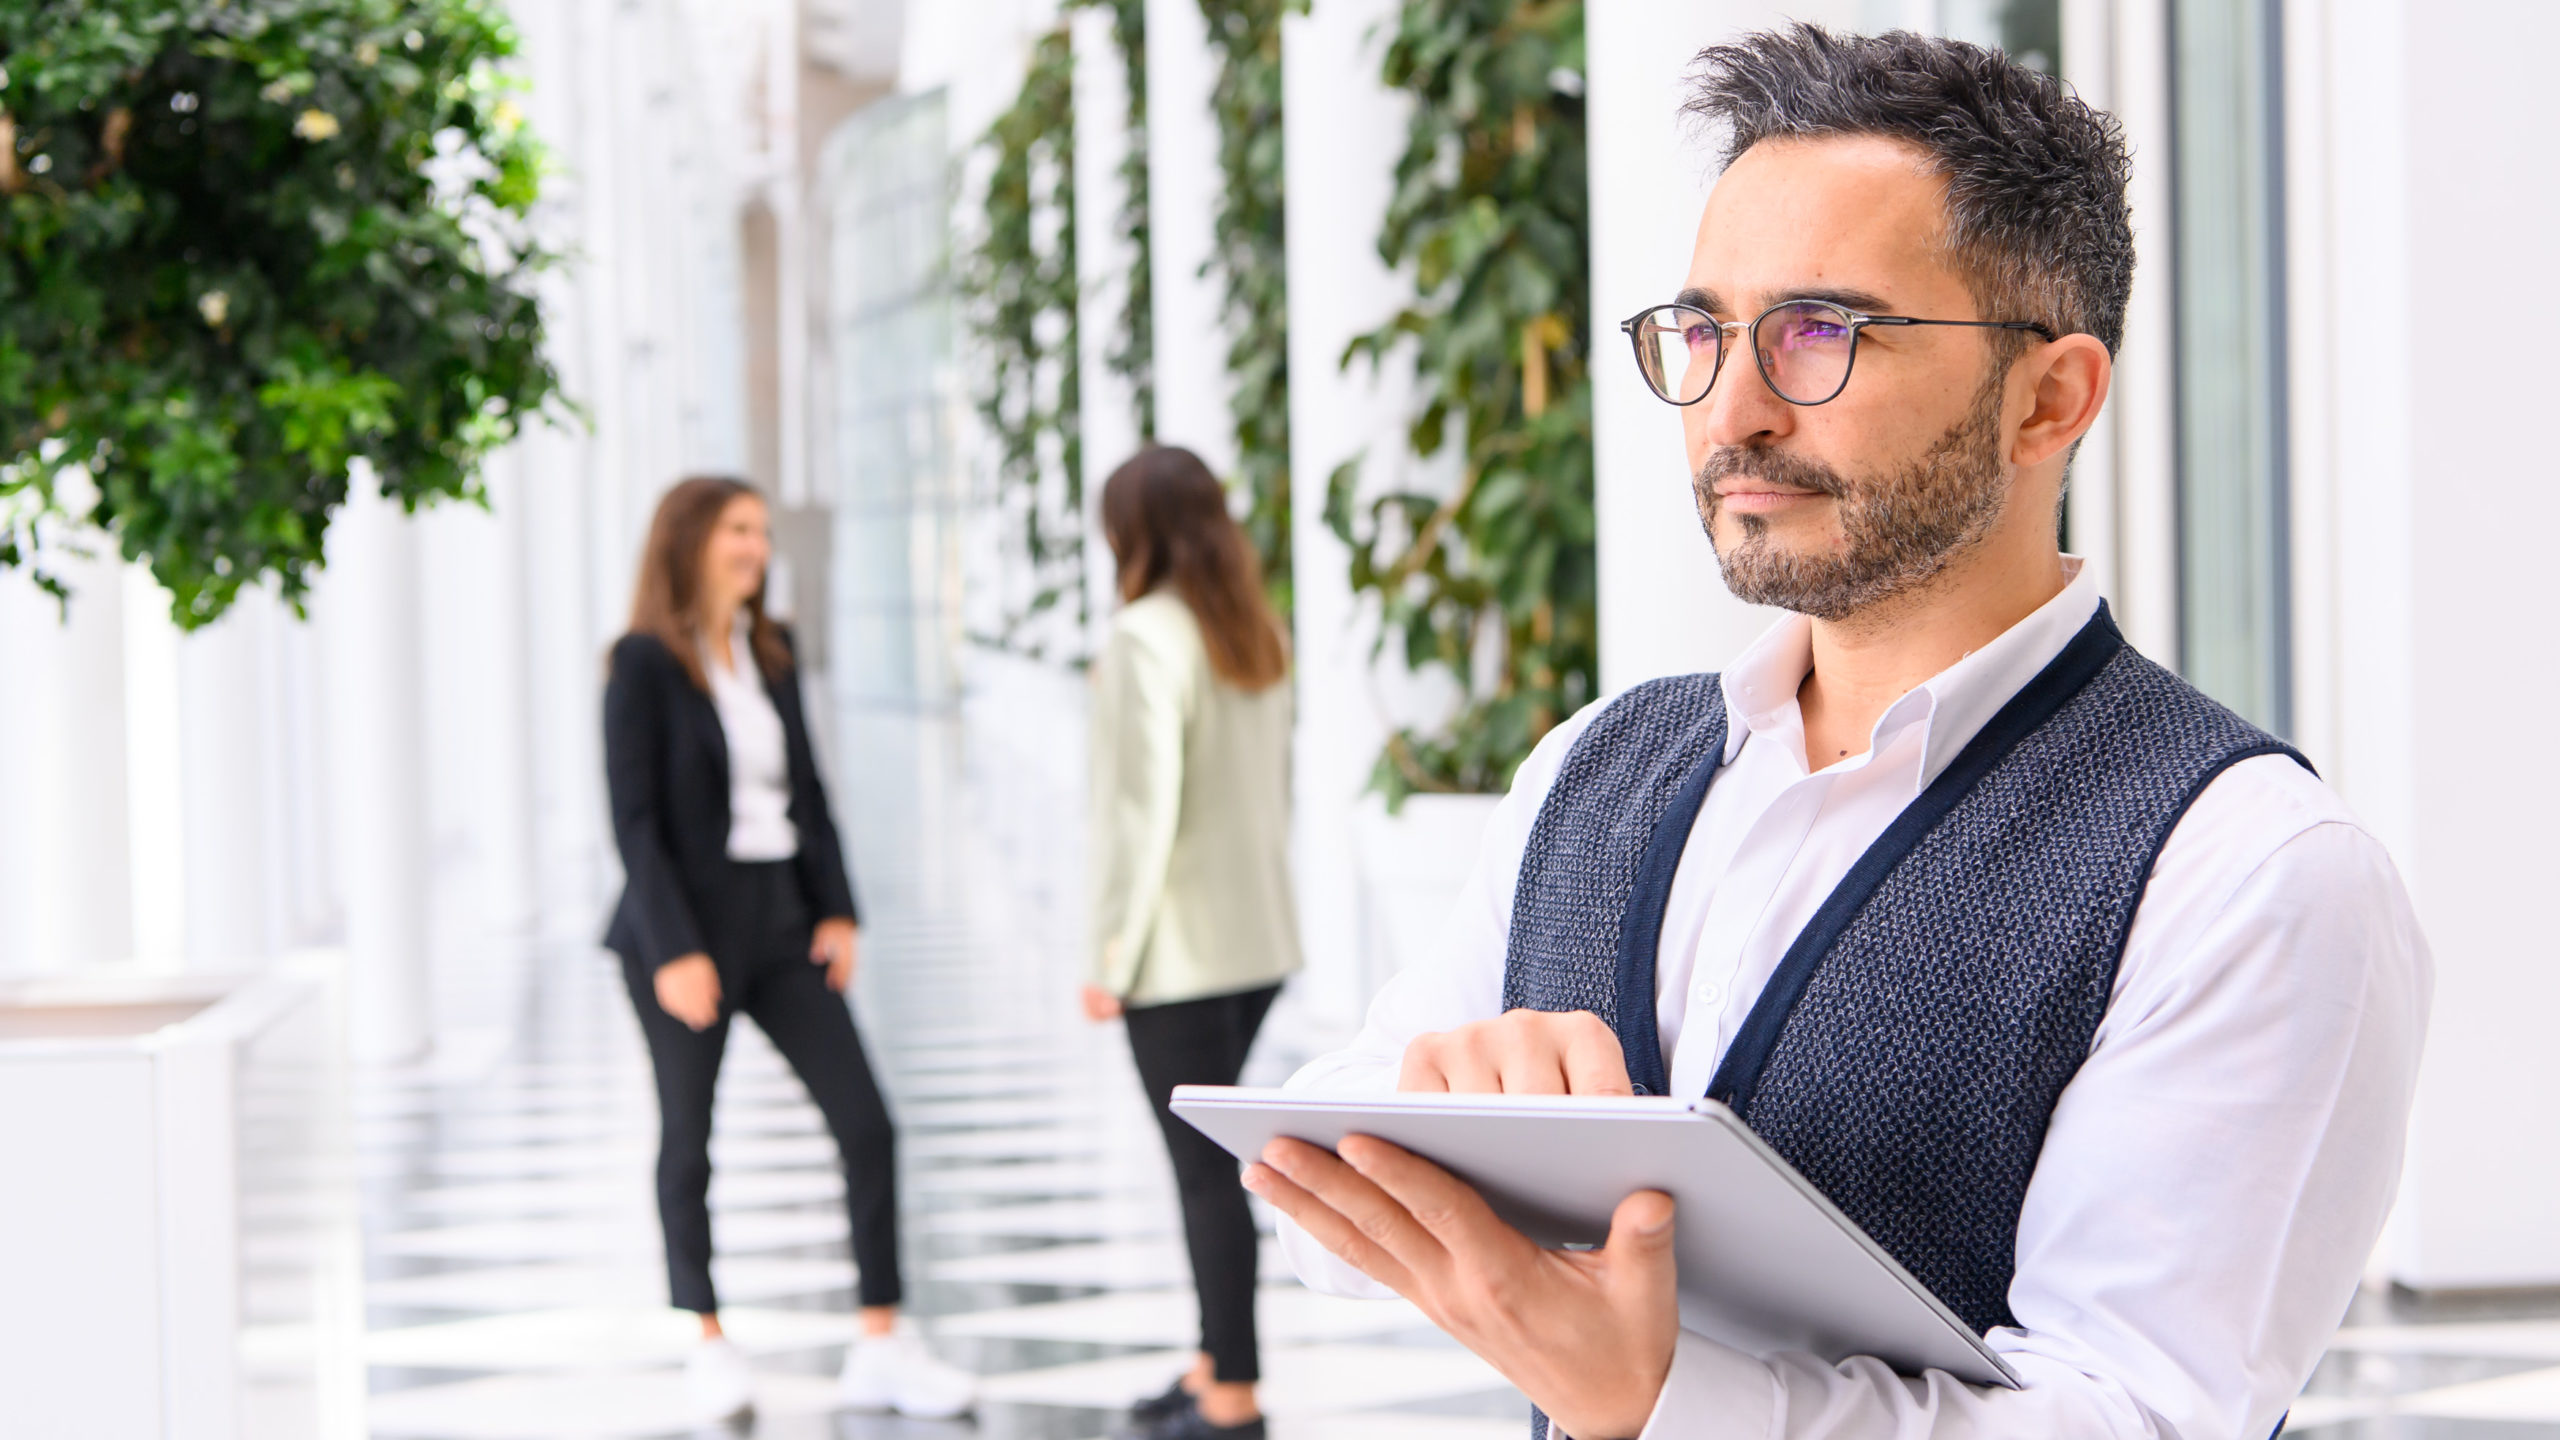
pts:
pixel 2029 30
pixel 2227 271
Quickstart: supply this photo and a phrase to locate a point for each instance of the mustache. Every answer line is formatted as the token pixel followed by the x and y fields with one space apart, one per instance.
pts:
pixel 1777 467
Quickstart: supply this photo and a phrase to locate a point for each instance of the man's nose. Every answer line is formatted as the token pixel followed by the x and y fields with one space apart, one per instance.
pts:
pixel 1741 407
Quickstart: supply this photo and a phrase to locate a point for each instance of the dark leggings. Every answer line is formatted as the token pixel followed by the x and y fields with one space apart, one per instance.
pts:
pixel 1203 1042
pixel 765 973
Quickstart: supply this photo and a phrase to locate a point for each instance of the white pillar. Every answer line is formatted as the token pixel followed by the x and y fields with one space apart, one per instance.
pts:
pixel 368 606
pixel 1193 407
pixel 1345 130
pixel 227 789
pixel 2142 406
pixel 1663 606
pixel 155 773
pixel 1103 258
pixel 65 899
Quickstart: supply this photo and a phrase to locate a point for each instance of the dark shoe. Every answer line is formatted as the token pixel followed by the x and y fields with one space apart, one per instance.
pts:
pixel 1188 1424
pixel 1172 1402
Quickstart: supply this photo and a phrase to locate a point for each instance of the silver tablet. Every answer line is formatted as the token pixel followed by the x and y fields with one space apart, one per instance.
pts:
pixel 1766 1262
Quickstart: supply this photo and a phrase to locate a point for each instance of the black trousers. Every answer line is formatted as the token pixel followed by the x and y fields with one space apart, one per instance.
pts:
pixel 763 959
pixel 1203 1042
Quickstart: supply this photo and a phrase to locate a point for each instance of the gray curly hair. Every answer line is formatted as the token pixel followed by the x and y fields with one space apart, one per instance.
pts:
pixel 2036 215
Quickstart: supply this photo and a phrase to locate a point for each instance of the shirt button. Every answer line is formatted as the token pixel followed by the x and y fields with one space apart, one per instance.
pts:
pixel 1710 993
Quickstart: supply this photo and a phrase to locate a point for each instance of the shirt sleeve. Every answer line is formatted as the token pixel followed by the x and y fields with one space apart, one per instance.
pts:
pixel 1140 702
pixel 2211 1187
pixel 1460 981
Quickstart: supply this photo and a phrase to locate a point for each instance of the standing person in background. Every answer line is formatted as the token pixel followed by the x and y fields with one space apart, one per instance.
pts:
pixel 738 901
pixel 1193 921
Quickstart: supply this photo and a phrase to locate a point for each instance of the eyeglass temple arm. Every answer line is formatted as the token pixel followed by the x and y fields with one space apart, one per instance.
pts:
pixel 2042 331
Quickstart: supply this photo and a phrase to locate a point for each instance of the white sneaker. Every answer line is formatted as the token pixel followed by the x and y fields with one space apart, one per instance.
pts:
pixel 715 1380
pixel 896 1372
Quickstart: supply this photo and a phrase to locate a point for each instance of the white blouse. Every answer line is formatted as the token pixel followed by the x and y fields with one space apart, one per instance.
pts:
pixel 760 825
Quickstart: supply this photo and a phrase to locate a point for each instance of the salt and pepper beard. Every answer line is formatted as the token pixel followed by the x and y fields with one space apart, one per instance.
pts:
pixel 1898 530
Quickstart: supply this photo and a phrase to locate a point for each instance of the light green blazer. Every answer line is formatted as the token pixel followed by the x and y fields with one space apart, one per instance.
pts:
pixel 1190 829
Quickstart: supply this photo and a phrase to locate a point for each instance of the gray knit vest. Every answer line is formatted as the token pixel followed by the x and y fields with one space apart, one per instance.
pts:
pixel 1908 1051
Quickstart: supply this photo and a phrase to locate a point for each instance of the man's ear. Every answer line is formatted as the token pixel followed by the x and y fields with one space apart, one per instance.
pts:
pixel 2068 381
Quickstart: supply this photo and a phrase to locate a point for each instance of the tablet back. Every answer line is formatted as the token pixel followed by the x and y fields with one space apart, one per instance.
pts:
pixel 1766 1263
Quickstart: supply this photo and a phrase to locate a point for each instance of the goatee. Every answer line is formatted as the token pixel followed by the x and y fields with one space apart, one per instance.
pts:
pixel 1898 530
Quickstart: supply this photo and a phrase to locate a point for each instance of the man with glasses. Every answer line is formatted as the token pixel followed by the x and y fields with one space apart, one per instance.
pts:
pixel 2083 996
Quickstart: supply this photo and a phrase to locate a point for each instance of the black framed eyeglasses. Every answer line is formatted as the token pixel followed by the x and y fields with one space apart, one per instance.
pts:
pixel 1805 348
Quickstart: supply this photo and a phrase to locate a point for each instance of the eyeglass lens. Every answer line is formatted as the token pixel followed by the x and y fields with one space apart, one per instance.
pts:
pixel 1804 349
pixel 1677 350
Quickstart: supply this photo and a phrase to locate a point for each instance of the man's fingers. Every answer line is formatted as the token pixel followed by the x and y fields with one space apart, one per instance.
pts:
pixel 1328 1227
pixel 1354 1197
pixel 1529 1066
pixel 1594 1062
pixel 1468 1069
pixel 1421 1068
pixel 1445 1207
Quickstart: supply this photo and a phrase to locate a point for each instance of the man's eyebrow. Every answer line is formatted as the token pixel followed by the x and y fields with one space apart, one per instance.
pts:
pixel 1846 299
pixel 1861 300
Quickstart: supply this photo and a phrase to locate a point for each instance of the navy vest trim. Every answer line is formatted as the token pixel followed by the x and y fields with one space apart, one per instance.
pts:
pixel 1640 935
pixel 2027 711
pixel 2063 677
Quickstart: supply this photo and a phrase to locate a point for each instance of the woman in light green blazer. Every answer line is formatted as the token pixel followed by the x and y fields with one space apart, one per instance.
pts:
pixel 1193 921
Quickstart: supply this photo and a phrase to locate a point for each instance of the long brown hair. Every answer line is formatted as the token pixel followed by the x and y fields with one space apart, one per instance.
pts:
pixel 1166 518
pixel 667 601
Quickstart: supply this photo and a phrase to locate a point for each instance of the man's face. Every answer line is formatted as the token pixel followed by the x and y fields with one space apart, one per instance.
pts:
pixel 1828 509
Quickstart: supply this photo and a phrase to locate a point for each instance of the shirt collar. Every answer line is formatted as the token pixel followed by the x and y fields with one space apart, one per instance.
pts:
pixel 1953 705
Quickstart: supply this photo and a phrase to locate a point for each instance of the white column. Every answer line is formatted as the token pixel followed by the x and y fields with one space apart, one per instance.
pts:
pixel 478 809
pixel 2090 505
pixel 368 606
pixel 65 899
pixel 1183 189
pixel 1663 606
pixel 227 792
pixel 2143 404
pixel 1103 258
pixel 1345 131
pixel 155 773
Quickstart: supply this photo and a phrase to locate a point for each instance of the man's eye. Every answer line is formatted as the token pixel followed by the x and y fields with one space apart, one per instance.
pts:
pixel 1821 330
pixel 1700 337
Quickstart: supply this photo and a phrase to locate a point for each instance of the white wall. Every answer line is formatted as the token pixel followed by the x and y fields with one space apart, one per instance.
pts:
pixel 2440 183
pixel 1344 132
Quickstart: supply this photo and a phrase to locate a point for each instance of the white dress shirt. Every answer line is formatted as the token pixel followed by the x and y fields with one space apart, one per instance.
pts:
pixel 2216 1173
pixel 760 825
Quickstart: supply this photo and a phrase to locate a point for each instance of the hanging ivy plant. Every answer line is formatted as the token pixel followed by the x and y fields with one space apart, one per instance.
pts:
pixel 1249 253
pixel 243 244
pixel 1491 213
pixel 1019 283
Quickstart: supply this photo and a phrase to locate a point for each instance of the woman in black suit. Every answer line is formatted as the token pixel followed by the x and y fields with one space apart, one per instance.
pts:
pixel 737 901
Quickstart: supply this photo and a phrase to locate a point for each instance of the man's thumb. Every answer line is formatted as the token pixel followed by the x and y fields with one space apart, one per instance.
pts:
pixel 1641 1228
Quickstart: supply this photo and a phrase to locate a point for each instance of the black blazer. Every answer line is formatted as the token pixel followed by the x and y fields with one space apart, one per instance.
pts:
pixel 666 768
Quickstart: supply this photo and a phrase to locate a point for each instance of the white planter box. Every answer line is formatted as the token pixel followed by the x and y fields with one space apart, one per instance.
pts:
pixel 167 1139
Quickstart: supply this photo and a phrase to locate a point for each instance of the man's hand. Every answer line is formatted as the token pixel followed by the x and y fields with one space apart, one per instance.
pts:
pixel 1100 1004
pixel 1520 1052
pixel 1586 1334
pixel 689 989
pixel 836 944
